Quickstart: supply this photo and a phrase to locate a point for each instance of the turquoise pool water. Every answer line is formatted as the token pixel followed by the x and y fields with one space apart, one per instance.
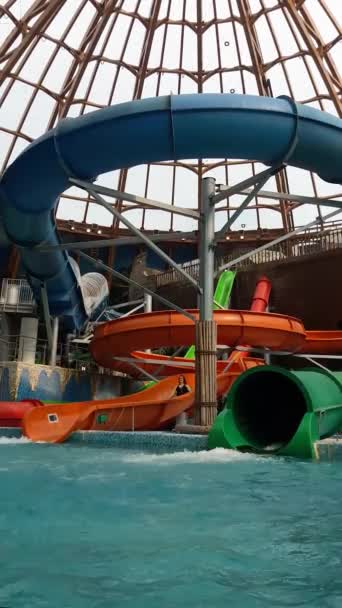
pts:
pixel 86 527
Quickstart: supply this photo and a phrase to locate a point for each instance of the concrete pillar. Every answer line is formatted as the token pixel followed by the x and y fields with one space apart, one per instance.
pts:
pixel 28 340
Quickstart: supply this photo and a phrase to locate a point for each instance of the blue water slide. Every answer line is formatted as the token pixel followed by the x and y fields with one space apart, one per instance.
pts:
pixel 271 131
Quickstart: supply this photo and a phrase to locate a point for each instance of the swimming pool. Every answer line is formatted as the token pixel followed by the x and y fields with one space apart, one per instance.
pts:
pixel 88 527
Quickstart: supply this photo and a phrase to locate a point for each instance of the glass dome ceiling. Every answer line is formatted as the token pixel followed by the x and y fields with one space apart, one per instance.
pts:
pixel 65 58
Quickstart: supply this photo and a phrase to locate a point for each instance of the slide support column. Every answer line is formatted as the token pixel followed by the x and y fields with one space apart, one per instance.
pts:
pixel 53 351
pixel 148 307
pixel 206 331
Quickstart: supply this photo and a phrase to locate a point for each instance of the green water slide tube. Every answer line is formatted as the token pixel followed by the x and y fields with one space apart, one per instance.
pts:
pixel 221 300
pixel 273 410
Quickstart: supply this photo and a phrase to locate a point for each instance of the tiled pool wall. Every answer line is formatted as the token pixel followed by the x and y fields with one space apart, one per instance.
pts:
pixel 157 442
pixel 329 449
pixel 147 441
pixel 23 381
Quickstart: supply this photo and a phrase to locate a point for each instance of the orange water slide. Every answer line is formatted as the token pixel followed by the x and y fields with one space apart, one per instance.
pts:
pixel 147 410
pixel 157 405
pixel 168 328
pixel 169 366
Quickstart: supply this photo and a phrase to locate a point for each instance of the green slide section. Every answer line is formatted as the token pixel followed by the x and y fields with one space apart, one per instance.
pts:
pixel 221 299
pixel 273 410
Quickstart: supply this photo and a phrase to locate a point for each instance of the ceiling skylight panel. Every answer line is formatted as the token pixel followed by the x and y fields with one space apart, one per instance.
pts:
pixel 172 47
pixel 267 45
pixel 69 209
pixel 168 84
pixel 80 25
pixel 55 76
pixel 65 15
pixel 186 188
pixel 188 85
pixel 278 81
pixel 212 85
pixel 36 62
pixel 11 109
pixel 154 59
pixel 270 218
pixel 134 48
pixel 118 37
pixel 210 56
pixel 164 8
pixel 101 88
pixel 160 183
pixel 325 26
pixel 150 86
pixel 304 214
pixel 300 81
pixel 222 9
pixel 98 215
pixel 227 44
pixel 189 60
pixel 157 220
pixel 39 114
pixel 145 8
pixel 124 86
pixel 243 46
pixel 208 10
pixel 282 31
pixel 176 9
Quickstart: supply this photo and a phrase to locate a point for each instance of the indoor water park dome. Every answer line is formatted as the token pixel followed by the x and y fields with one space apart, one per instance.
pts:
pixel 62 59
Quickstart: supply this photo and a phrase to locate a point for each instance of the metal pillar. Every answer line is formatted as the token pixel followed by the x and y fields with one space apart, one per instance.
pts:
pixel 206 250
pixel 267 355
pixel 147 302
pixel 148 308
pixel 206 340
pixel 53 350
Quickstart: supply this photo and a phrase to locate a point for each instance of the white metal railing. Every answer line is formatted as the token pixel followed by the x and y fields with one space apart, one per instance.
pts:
pixel 308 243
pixel 75 356
pixel 16 296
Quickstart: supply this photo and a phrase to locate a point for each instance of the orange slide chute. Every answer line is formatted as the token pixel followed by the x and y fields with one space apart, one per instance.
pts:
pixel 157 406
pixel 147 410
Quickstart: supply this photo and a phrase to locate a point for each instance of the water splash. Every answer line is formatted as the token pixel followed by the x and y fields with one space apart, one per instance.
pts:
pixel 13 440
pixel 219 455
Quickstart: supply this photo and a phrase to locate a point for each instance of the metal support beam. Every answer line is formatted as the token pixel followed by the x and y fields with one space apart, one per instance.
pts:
pixel 278 353
pixel 115 273
pixel 46 312
pixel 133 198
pixel 129 303
pixel 119 242
pixel 207 249
pixel 53 350
pixel 144 238
pixel 280 239
pixel 296 198
pixel 226 191
pixel 137 367
pixel 132 311
pixel 163 363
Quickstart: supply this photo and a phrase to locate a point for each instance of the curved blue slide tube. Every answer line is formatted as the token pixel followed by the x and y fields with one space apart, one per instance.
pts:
pixel 271 131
